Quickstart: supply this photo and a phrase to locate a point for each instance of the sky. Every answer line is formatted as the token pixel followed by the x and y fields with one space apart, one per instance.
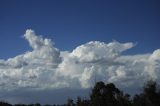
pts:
pixel 57 44
pixel 70 23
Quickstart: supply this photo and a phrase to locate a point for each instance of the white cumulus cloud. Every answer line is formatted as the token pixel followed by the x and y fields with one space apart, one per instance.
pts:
pixel 46 67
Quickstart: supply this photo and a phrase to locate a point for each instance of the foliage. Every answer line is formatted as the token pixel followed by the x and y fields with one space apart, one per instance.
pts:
pixel 109 95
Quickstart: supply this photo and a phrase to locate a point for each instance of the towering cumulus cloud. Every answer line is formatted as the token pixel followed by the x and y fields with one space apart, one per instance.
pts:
pixel 45 67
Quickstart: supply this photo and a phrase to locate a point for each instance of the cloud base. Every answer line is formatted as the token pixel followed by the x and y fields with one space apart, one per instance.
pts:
pixel 46 67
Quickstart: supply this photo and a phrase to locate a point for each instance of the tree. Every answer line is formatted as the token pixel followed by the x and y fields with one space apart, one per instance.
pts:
pixel 104 95
pixel 2 103
pixel 124 99
pixel 150 93
pixel 70 102
pixel 97 98
pixel 149 96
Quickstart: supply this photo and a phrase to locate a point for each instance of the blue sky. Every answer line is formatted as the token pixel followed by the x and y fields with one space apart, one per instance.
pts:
pixel 36 68
pixel 71 23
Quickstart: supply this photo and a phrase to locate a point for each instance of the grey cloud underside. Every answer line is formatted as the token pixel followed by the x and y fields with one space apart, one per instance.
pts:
pixel 46 67
pixel 56 96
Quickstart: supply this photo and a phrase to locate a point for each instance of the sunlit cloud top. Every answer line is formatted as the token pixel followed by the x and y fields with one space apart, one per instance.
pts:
pixel 46 67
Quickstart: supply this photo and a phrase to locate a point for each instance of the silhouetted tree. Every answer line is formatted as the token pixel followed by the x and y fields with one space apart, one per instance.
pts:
pixel 2 103
pixel 124 99
pixel 79 101
pixel 149 96
pixel 70 102
pixel 109 95
pixel 104 95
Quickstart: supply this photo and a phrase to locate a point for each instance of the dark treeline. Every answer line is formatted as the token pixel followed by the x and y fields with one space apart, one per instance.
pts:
pixel 109 95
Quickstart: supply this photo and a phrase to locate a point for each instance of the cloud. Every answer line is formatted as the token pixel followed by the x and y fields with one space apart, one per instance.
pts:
pixel 46 67
pixel 36 42
pixel 95 50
